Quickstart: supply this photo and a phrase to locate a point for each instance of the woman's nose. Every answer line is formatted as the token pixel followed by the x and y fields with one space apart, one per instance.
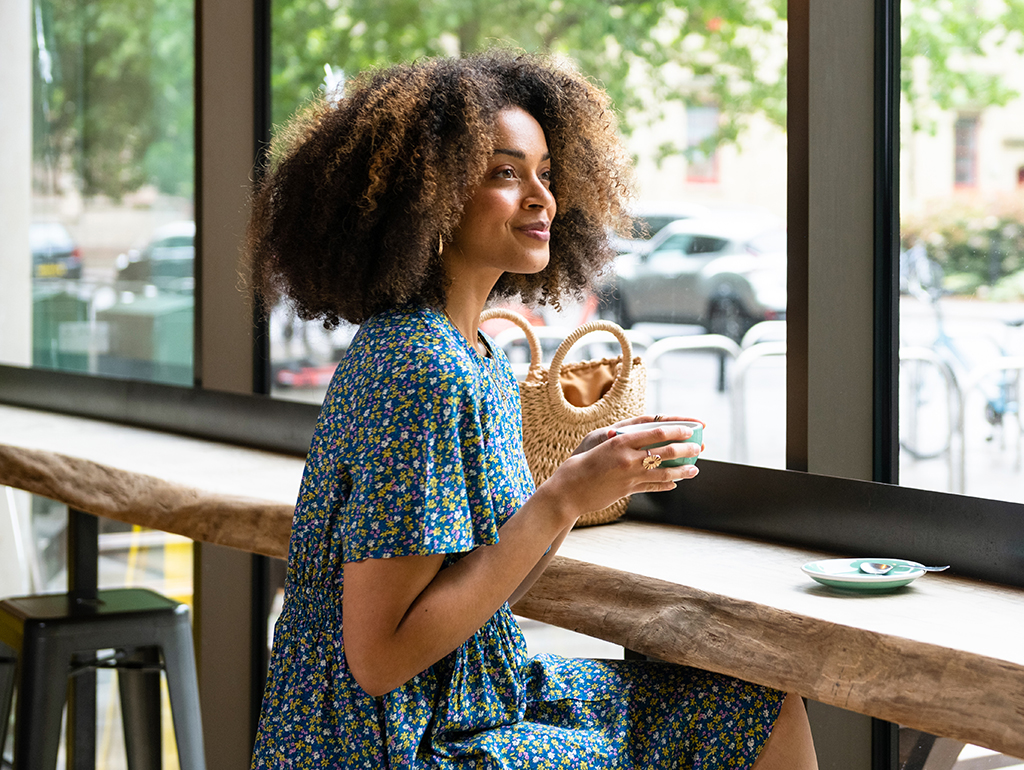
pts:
pixel 539 196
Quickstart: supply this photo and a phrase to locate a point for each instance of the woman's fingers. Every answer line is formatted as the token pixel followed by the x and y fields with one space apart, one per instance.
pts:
pixel 677 450
pixel 595 438
pixel 654 418
pixel 667 485
pixel 666 474
pixel 678 418
pixel 656 434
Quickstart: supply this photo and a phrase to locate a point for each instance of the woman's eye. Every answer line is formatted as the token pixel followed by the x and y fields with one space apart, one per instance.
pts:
pixel 505 173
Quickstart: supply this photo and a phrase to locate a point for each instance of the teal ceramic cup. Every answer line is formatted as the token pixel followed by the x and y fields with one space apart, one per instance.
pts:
pixel 697 438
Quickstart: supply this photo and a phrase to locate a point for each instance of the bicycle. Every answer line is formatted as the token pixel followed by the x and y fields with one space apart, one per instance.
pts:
pixel 927 383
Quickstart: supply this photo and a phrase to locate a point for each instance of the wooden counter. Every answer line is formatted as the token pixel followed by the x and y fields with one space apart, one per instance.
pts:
pixel 944 655
pixel 227 495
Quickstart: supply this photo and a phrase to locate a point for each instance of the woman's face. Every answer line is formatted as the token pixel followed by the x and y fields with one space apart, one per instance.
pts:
pixel 506 225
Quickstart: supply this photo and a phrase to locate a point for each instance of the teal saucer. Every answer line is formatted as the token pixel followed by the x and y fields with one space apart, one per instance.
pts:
pixel 846 574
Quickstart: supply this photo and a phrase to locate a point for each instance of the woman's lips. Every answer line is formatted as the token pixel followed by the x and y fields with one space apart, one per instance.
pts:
pixel 538 231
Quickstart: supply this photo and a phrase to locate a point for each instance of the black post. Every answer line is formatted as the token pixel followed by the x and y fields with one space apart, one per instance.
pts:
pixel 83 556
pixel 83 585
pixel 885 745
pixel 886 242
pixel 884 735
pixel 261 126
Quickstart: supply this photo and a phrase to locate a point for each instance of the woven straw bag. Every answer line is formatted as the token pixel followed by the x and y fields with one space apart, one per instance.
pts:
pixel 562 403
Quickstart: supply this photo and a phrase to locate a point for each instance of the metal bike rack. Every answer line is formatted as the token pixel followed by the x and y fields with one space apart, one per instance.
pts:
pixel 1004 364
pixel 710 343
pixel 738 392
pixel 765 331
pixel 955 410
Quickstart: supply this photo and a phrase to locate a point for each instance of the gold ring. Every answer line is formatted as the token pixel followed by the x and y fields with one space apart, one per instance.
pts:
pixel 651 461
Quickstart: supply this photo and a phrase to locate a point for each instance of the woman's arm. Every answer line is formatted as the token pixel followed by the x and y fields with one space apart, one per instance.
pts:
pixel 402 615
pixel 590 441
pixel 539 567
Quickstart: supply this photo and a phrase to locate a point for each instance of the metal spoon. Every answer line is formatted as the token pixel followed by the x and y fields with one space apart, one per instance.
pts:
pixel 881 568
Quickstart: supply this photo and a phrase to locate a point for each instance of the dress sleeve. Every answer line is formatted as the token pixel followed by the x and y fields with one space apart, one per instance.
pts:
pixel 416 460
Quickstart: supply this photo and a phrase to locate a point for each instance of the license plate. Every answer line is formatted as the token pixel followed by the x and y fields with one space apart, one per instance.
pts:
pixel 51 271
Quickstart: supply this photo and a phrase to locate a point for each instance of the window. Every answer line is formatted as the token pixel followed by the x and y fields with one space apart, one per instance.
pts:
pixel 98 255
pixel 962 272
pixel 655 98
pixel 704 244
pixel 96 206
pixel 962 258
pixel 966 148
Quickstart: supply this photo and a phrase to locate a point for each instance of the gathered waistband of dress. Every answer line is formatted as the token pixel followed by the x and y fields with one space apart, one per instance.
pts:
pixel 317 603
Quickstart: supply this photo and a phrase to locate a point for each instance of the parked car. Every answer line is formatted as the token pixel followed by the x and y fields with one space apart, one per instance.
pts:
pixel 723 273
pixel 54 252
pixel 166 262
pixel 650 218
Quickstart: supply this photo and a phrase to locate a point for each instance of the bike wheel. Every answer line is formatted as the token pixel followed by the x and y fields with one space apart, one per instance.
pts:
pixel 727 317
pixel 926 413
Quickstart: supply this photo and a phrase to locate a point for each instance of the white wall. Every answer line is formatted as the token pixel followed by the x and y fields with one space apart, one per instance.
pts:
pixel 751 172
pixel 15 160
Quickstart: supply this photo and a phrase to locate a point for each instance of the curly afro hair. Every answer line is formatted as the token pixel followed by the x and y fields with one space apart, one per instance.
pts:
pixel 346 220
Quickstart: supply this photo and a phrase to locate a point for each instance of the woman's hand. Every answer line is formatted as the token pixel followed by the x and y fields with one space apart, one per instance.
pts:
pixel 608 466
pixel 600 435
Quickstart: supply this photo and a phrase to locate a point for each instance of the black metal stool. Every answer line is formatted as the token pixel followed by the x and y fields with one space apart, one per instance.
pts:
pixel 46 639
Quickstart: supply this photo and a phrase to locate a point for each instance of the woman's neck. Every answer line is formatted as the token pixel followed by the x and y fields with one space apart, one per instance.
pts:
pixel 466 324
pixel 467 295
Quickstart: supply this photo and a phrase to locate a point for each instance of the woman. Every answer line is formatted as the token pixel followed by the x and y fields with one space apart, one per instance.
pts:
pixel 426 191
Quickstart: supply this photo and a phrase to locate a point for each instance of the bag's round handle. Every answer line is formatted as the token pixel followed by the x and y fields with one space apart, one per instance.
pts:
pixel 536 355
pixel 606 403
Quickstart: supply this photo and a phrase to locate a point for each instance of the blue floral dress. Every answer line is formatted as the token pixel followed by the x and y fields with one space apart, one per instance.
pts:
pixel 418 450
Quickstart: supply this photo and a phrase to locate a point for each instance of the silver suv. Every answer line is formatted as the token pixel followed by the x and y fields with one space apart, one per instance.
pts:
pixel 723 273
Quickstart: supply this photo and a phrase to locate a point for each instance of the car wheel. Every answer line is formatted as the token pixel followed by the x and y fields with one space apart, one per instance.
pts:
pixel 622 316
pixel 612 308
pixel 727 317
pixel 607 300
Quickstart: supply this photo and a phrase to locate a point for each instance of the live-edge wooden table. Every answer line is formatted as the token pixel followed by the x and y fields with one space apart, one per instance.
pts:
pixel 944 655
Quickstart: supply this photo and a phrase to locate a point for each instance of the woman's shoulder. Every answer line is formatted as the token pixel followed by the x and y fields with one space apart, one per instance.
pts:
pixel 411 334
pixel 406 343
pixel 402 328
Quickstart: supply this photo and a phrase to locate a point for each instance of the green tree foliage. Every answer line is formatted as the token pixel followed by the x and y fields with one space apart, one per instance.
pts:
pixel 114 77
pixel 113 94
pixel 950 55
pixel 646 53
pixel 977 243
pixel 643 52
